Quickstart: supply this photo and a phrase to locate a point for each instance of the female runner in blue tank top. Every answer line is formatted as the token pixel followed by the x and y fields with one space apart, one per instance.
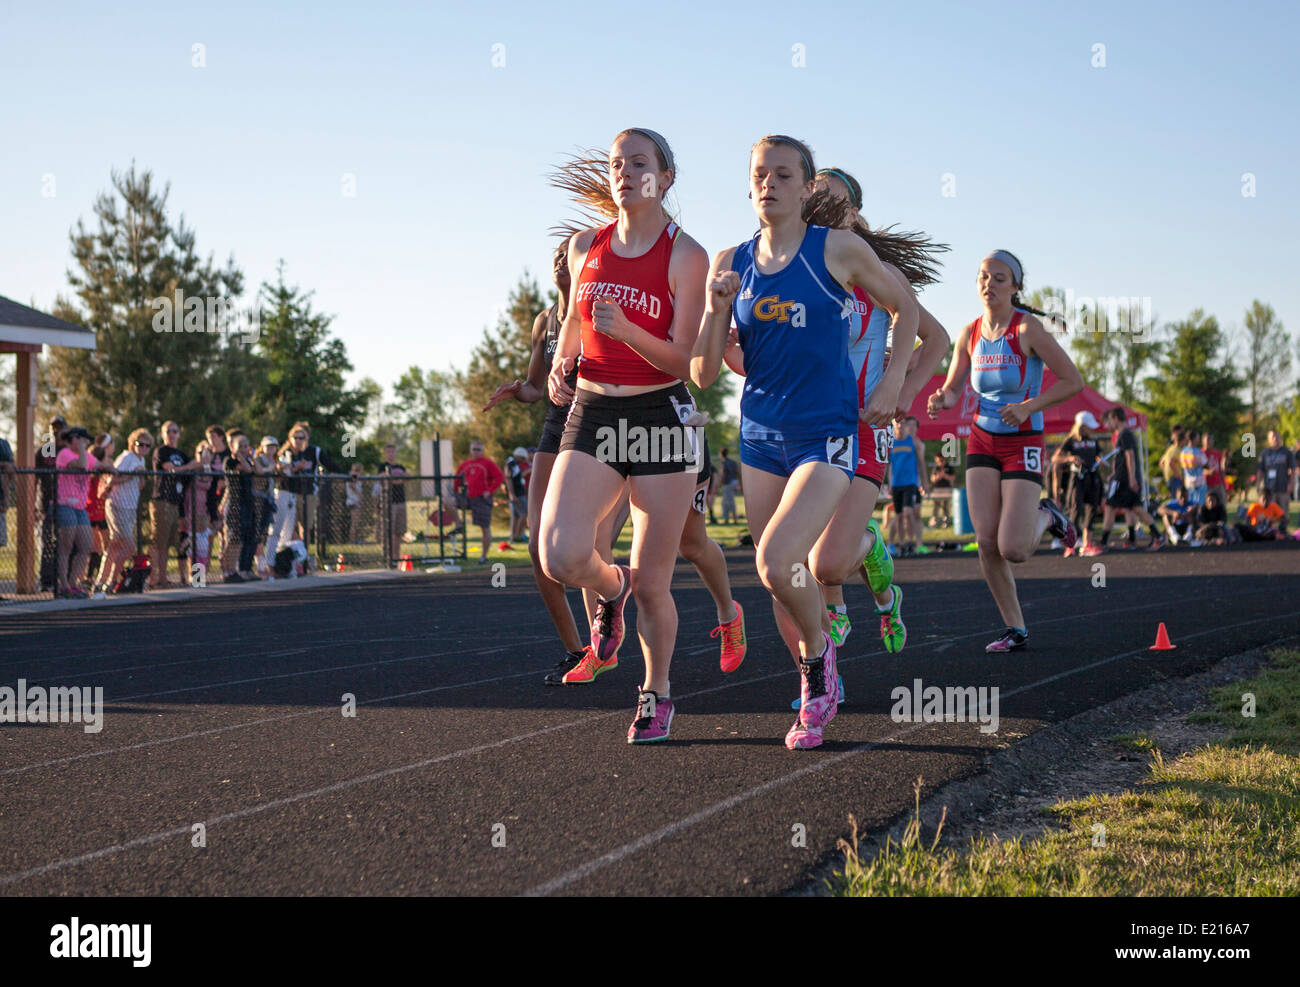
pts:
pixel 1004 352
pixel 790 290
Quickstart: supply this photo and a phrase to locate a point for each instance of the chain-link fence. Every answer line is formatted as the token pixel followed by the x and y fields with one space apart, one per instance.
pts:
pixel 145 530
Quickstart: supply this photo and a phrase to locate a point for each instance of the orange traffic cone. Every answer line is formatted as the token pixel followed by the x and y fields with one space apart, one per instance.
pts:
pixel 405 565
pixel 1162 640
pixel 343 566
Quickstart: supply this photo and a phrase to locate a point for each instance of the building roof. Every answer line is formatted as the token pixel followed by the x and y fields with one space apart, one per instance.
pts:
pixel 22 324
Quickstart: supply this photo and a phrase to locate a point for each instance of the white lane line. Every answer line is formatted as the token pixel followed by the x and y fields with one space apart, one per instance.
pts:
pixel 681 825
pixel 622 852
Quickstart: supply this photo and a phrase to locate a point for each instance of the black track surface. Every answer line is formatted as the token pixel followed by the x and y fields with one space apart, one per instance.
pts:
pixel 228 713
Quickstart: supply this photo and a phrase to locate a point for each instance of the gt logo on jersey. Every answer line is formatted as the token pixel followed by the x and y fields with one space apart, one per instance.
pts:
pixel 771 307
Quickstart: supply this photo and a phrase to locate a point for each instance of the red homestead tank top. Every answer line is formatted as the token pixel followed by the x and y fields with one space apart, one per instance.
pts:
pixel 639 285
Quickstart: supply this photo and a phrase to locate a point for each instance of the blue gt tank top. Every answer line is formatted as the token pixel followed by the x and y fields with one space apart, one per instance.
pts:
pixel 868 335
pixel 1001 374
pixel 794 331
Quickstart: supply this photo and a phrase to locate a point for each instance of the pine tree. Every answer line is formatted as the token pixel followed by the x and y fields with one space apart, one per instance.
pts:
pixel 1267 362
pixel 129 271
pixel 1193 386
pixel 503 355
pixel 304 370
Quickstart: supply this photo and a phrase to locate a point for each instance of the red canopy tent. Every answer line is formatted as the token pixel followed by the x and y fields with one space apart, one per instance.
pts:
pixel 1056 421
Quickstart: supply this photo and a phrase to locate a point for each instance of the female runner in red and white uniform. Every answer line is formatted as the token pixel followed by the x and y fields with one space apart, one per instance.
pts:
pixel 634 311
pixel 579 665
pixel 1004 352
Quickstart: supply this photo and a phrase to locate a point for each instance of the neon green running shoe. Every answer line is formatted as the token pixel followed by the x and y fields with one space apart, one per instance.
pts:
pixel 878 563
pixel 840 627
pixel 893 632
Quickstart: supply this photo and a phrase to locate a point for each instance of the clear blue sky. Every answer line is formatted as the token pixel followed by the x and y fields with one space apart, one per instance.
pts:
pixel 1122 180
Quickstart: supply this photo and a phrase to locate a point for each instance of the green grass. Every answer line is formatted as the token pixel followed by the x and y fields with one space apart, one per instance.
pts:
pixel 1134 742
pixel 1221 820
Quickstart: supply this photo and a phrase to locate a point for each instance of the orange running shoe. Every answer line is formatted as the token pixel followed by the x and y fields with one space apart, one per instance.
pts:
pixel 588 668
pixel 733 640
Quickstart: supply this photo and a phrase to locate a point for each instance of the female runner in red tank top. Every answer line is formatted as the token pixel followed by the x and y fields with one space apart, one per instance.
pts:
pixel 579 665
pixel 635 308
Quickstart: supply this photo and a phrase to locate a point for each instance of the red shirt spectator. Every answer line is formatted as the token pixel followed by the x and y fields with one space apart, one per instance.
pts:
pixel 482 476
pixel 95 499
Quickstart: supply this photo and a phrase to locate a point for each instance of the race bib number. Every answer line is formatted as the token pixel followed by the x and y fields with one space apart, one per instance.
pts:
pixel 698 503
pixel 1033 459
pixel 838 452
pixel 884 443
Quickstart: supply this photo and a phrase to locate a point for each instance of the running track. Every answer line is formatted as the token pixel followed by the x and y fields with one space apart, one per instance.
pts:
pixel 227 712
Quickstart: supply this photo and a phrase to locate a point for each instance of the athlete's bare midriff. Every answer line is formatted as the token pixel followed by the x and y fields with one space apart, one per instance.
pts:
pixel 622 390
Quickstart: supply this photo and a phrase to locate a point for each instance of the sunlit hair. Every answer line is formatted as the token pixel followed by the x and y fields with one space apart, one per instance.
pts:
pixel 912 253
pixel 584 176
pixel 136 436
pixel 296 426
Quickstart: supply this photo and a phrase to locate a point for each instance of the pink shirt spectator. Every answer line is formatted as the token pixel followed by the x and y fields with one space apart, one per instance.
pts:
pixel 73 487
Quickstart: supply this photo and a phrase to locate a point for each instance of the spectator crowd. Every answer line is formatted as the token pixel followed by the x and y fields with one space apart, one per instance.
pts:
pixel 240 510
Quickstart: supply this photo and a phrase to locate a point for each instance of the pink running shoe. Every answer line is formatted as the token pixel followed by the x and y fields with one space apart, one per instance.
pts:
pixel 819 699
pixel 653 718
pixel 607 628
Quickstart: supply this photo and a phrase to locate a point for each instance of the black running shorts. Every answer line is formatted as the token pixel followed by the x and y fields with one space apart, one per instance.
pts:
pixel 641 435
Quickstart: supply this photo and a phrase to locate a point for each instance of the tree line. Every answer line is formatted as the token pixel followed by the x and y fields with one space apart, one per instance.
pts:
pixel 276 361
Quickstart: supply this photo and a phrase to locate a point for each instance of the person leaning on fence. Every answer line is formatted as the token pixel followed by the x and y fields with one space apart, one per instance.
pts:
pixel 395 499
pixel 199 519
pixel 49 499
pixel 76 468
pixel 241 516
pixel 168 498
pixel 305 460
pixel 288 486
pixel 481 477
pixel 122 505
pixel 102 450
pixel 265 468
pixel 216 436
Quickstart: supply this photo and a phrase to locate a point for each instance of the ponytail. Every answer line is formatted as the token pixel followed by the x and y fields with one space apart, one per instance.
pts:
pixel 1056 317
pixel 585 177
pixel 912 253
